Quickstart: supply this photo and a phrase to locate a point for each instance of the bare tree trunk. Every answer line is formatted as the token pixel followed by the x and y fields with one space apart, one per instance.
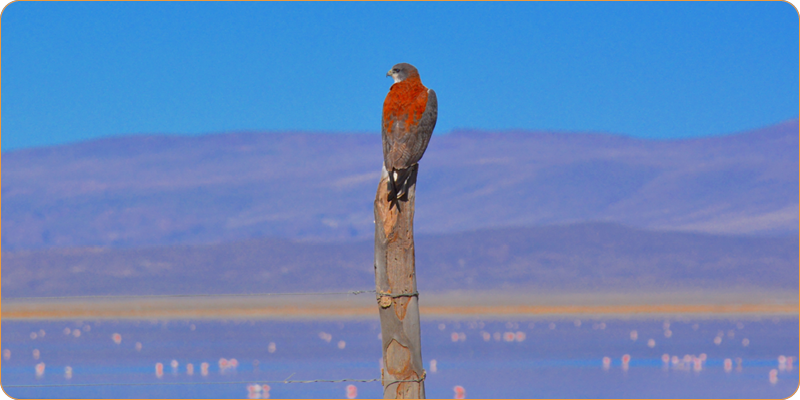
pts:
pixel 396 284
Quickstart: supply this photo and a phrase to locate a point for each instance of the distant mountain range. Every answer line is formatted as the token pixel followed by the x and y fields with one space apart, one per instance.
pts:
pixel 278 212
pixel 594 257
pixel 129 192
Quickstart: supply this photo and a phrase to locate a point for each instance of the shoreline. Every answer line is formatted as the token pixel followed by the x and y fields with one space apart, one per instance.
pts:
pixel 453 305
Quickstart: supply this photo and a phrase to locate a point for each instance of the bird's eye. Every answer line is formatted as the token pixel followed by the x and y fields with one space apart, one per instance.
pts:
pixel 395 70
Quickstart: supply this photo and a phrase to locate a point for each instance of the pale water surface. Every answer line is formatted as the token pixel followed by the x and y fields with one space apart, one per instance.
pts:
pixel 501 358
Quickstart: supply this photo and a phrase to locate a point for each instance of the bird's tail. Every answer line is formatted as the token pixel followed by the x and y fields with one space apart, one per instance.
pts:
pixel 398 186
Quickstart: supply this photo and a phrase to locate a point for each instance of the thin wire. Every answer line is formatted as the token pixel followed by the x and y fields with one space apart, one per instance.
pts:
pixel 210 383
pixel 392 295
pixel 123 296
pixel 194 383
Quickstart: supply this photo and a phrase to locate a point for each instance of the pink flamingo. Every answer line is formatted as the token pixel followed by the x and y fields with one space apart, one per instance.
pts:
pixel 460 393
pixel 352 391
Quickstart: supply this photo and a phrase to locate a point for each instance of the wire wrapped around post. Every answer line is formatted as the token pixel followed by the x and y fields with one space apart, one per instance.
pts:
pixel 402 374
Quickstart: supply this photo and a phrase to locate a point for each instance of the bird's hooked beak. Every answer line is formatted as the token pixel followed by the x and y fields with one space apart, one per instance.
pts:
pixel 389 73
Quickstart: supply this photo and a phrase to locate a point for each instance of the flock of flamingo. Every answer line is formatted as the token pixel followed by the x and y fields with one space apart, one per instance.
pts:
pixel 688 362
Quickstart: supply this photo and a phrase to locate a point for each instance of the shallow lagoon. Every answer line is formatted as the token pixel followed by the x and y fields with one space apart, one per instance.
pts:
pixel 502 358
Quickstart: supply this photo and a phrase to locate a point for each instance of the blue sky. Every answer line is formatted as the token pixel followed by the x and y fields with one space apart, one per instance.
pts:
pixel 75 71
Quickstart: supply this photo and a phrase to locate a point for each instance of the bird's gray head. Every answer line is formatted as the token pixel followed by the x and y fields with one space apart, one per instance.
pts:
pixel 402 71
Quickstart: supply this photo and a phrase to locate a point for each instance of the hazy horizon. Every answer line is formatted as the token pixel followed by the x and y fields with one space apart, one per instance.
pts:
pixel 377 133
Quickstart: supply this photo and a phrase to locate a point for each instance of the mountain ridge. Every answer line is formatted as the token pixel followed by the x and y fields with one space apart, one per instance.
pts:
pixel 577 258
pixel 152 190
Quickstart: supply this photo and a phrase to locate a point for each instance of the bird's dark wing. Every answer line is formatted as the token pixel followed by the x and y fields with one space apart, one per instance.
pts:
pixel 424 129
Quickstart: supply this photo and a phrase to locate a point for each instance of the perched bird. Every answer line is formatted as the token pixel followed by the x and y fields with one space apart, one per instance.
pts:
pixel 409 115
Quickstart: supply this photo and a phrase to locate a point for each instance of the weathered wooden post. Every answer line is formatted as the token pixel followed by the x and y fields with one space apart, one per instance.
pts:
pixel 402 374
